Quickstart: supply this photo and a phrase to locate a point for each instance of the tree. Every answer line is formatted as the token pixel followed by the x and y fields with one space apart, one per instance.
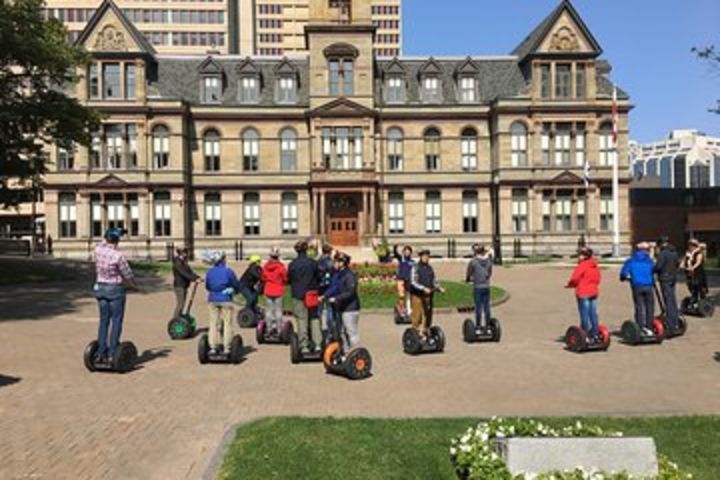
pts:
pixel 712 56
pixel 37 70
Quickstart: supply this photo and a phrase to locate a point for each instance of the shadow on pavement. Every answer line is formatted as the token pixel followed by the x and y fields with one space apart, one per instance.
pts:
pixel 717 356
pixel 5 380
pixel 153 354
pixel 34 289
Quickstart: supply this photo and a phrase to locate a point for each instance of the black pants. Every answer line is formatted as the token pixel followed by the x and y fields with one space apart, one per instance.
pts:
pixel 180 299
pixel 671 307
pixel 644 299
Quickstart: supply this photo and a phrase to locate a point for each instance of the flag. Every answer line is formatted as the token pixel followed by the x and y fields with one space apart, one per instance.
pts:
pixel 615 117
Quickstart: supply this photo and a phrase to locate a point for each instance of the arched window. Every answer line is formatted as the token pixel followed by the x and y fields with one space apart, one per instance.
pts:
pixel 288 150
pixel 211 150
pixel 469 148
pixel 251 149
pixel 518 141
pixel 395 149
pixel 161 147
pixel 607 153
pixel 432 149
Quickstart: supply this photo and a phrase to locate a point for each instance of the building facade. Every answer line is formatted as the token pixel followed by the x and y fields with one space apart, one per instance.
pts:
pixel 245 27
pixel 687 159
pixel 341 145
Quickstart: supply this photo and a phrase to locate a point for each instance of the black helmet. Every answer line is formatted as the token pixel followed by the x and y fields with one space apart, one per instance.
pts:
pixel 343 258
pixel 301 246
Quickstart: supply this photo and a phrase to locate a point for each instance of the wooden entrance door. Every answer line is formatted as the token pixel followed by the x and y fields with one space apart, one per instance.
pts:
pixel 342 219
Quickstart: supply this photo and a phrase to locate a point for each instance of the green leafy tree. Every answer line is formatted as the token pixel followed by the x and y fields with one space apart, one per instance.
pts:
pixel 37 70
pixel 712 56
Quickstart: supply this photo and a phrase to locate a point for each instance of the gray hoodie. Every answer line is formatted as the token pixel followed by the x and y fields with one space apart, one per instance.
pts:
pixel 479 271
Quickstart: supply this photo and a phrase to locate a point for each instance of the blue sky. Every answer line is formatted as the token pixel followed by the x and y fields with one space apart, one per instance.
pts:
pixel 648 43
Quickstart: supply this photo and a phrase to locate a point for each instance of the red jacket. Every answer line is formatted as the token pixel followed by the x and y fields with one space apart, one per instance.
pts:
pixel 586 279
pixel 274 275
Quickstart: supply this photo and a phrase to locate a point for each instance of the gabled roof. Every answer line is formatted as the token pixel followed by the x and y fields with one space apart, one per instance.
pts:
pixel 431 67
pixel 533 41
pixel 210 66
pixel 248 67
pixel 285 67
pixel 99 14
pixel 467 67
pixel 342 107
pixel 395 66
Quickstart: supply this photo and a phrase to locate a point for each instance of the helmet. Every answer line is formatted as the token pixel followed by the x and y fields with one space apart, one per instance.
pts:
pixel 113 235
pixel 255 259
pixel 214 258
pixel 343 258
pixel 301 246
pixel 275 252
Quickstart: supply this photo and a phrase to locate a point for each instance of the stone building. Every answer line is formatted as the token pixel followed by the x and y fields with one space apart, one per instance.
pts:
pixel 339 144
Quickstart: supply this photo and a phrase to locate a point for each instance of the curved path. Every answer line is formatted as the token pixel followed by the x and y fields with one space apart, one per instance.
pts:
pixel 164 420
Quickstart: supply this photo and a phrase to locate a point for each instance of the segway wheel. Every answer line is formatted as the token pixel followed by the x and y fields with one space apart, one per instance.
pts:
pixel 604 337
pixel 685 305
pixel 294 349
pixel 358 364
pixel 659 330
pixel 496 329
pixel 706 308
pixel 125 357
pixel 682 326
pixel 179 329
pixel 411 341
pixel 89 355
pixel 630 332
pixel 246 318
pixel 575 339
pixel 439 336
pixel 236 349
pixel 203 349
pixel 469 331
pixel 260 332
pixel 285 331
pixel 330 357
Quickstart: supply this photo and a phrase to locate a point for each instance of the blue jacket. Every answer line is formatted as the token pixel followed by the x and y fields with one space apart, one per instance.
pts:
pixel 218 279
pixel 638 269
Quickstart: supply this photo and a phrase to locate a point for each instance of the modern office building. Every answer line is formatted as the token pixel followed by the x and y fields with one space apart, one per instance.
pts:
pixel 341 145
pixel 245 27
pixel 687 159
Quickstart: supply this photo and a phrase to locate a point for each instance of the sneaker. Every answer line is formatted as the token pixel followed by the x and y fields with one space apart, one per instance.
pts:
pixel 647 332
pixel 213 351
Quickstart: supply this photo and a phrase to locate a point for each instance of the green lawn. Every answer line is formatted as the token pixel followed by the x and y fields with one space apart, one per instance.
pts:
pixel 369 449
pixel 383 295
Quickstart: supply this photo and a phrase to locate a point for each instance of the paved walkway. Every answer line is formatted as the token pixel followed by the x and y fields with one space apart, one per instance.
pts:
pixel 164 420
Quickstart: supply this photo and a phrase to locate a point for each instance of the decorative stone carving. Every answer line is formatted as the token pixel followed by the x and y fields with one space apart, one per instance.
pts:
pixel 564 40
pixel 110 39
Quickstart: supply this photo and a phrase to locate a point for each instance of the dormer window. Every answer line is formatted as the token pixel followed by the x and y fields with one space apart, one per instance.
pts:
pixel 395 89
pixel 563 80
pixel 341 77
pixel 287 89
pixel 211 89
pixel 111 81
pixel 431 90
pixel 249 89
pixel 468 89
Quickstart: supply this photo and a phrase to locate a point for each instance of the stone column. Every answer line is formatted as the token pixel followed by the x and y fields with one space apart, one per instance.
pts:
pixel 146 217
pixel 371 213
pixel 322 222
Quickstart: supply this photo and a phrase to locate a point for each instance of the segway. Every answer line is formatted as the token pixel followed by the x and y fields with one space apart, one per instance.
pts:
pixel 702 307
pixel 122 361
pixel 473 333
pixel 578 341
pixel 184 326
pixel 233 355
pixel 415 344
pixel 682 322
pixel 355 365
pixel 247 319
pixel 265 334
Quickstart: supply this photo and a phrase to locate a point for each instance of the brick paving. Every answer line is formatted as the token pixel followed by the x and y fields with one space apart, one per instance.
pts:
pixel 164 420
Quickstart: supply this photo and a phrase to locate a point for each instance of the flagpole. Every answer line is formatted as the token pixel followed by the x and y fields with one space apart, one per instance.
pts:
pixel 615 181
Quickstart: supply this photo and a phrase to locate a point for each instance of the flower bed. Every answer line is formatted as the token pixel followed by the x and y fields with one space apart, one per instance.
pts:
pixel 474 459
pixel 374 272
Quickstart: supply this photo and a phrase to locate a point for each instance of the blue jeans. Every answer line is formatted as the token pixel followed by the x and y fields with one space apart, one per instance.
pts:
pixel 251 298
pixel 644 299
pixel 482 306
pixel 588 315
pixel 111 302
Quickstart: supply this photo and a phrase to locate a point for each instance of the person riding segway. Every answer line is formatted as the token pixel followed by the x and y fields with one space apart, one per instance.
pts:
pixel 666 269
pixel 182 325
pixel 403 308
pixel 326 270
pixel 112 273
pixel 585 279
pixel 484 328
pixel 343 355
pixel 219 344
pixel 638 270
pixel 273 329
pixel 306 340
pixel 697 303
pixel 250 286
pixel 423 337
